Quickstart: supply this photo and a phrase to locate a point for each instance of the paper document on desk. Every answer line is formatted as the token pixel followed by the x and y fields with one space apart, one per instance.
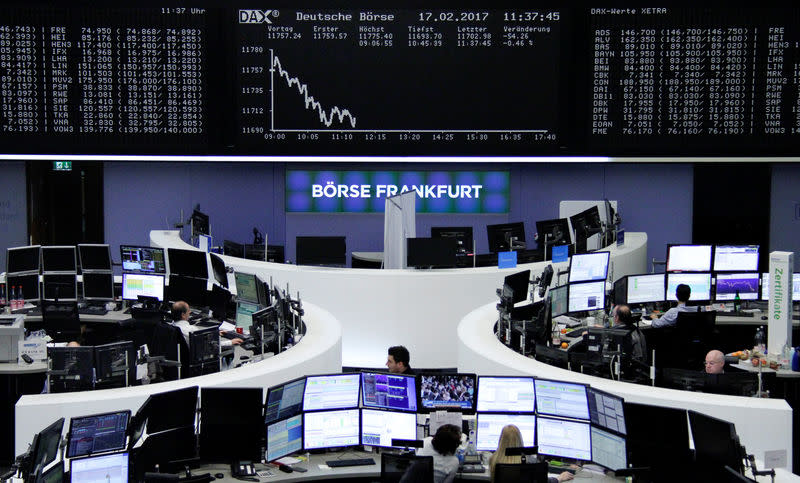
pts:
pixel 227 327
pixel 440 418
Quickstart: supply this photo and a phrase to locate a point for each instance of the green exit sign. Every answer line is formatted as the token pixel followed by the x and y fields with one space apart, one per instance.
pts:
pixel 62 165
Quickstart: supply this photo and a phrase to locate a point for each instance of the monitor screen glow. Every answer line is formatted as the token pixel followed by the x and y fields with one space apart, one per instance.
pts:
pixel 135 284
pixel 795 286
pixel 606 410
pixel 246 288
pixel 444 391
pixel 729 284
pixel 736 258
pixel 285 400
pixel 489 427
pixel 284 437
pixel 559 300
pixel 564 399
pixel 389 391
pixel 646 288
pixel 588 267
pixel 244 314
pixel 700 283
pixel 689 258
pixel 112 468
pixel 608 450
pixel 378 428
pixel 331 429
pixel 335 391
pixel 566 439
pixel 586 296
pixel 142 259
pixel 506 394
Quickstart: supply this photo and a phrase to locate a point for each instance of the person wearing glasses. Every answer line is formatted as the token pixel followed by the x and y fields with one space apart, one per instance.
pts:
pixel 715 362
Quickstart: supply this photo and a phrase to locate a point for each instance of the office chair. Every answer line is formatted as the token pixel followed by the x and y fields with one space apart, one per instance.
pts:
pixel 695 330
pixel 396 468
pixel 61 321
pixel 529 473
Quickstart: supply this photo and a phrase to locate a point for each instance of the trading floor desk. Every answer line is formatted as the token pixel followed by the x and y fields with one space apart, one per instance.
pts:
pixel 318 352
pixel 762 424
pixel 420 309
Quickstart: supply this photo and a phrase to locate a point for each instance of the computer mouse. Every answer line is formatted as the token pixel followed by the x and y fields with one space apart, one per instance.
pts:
pixel 27 359
pixel 285 468
pixel 219 476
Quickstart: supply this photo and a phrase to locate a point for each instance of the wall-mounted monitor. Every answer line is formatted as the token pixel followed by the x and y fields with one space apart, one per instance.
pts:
pixel 379 428
pixel 506 394
pixel 700 283
pixel 135 284
pixel 501 236
pixel 389 391
pixel 189 263
pixel 332 391
pixel 688 258
pixel 142 259
pixel 564 439
pixel 727 285
pixel 586 296
pixel 736 258
pixel 59 259
pixel 321 250
pixel 489 427
pixel 94 257
pixel 588 267
pixel 440 392
pixel 23 259
pixel 563 399
pixel 98 286
pixel 331 429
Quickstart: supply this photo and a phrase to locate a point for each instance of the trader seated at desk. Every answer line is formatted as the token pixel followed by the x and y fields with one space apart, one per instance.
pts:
pixel 682 292
pixel 623 318
pixel 398 359
pixel 180 317
pixel 715 362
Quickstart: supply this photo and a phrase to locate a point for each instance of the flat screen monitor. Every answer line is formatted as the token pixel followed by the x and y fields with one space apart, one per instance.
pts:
pixel 389 391
pixel 489 427
pixel 200 224
pixel 142 259
pixel 564 439
pixel 29 284
pixel 332 391
pixel 113 360
pixel 189 289
pixel 219 270
pixel 98 286
pixel 321 250
pixel 700 283
pixel 642 289
pixel 506 394
pixel 553 232
pixel 217 428
pixel 61 286
pixel 23 259
pixel 440 392
pixel 588 267
pixel 94 257
pixel 54 474
pixel 284 437
pixel 77 364
pixel 462 234
pixel 164 411
pixel 431 252
pixel 559 300
pixel 688 258
pixel 204 345
pixel 715 441
pixel 586 296
pixel 331 429
pixel 668 452
pixel 99 433
pixel 246 286
pixel 518 283
pixel 500 236
pixel 284 400
pixel 244 314
pixel 46 446
pixel 587 222
pixel 110 468
pixel 189 263
pixel 795 286
pixel 276 254
pixel 736 258
pixel 606 410
pixel 59 259
pixel 255 252
pixel 563 399
pixel 727 285
pixel 609 450
pixel 136 284
pixel 378 428
pixel 232 249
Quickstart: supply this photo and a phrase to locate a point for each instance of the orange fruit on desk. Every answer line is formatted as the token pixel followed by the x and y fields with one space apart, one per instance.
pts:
pixel 564 345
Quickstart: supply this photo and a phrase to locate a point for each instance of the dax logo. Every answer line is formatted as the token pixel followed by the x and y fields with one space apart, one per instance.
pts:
pixel 257 16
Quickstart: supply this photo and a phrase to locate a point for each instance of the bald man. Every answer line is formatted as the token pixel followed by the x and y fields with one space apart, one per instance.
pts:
pixel 715 362
pixel 180 319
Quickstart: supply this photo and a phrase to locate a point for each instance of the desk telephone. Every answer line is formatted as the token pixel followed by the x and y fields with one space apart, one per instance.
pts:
pixel 243 468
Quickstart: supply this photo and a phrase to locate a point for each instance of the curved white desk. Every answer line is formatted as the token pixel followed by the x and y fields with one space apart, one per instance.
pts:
pixel 762 424
pixel 319 352
pixel 419 309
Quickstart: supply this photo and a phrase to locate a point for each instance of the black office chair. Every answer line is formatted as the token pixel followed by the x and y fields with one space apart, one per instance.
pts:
pixel 529 473
pixel 61 321
pixel 695 332
pixel 396 468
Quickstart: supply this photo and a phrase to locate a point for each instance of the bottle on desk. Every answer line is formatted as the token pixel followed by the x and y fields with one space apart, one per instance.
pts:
pixel 758 342
pixel 14 300
pixel 737 302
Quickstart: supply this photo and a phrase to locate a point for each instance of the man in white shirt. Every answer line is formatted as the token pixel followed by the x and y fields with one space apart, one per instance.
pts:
pixel 180 319
pixel 682 292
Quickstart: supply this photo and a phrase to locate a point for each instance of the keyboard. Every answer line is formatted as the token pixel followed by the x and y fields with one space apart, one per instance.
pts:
pixel 471 468
pixel 33 311
pixel 560 469
pixel 737 314
pixel 92 311
pixel 350 462
pixel 575 333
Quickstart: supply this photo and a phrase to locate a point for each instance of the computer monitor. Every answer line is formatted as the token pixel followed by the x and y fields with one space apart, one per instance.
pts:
pixel 462 234
pixel 489 427
pixel 564 439
pixel 389 391
pixel 112 361
pixel 255 252
pixel 98 286
pixel 795 286
pixel 136 284
pixel 59 259
pixel 588 267
pixel 200 225
pixel 244 314
pixel 46 446
pixel 165 411
pixel 331 429
pixel 727 285
pixel 142 259
pixel 563 399
pixel 647 288
pixel 559 300
pixel 700 283
pixel 23 259
pixel 609 450
pixel 226 439
pixel 28 283
pixel 94 257
pixel 233 249
pixel 74 368
pixel 736 258
pixel 553 232
pixel 246 286
pixel 54 474
pixel 606 410
pixel 586 296
pixel 284 437
pixel 61 286
pixel 506 394
pixel 378 428
pixel 502 235
pixel 441 392
pixel 586 223
pixel 189 263
pixel 332 391
pixel 276 254
pixel 110 468
pixel 715 442
pixel 321 250
pixel 98 433
pixel 668 453
pixel 431 252
pixel 204 345
pixel 189 289
pixel 284 400
pixel 688 258
pixel 219 270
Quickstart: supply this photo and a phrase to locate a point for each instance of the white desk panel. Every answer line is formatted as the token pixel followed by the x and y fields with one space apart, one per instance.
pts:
pixel 762 424
pixel 419 309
